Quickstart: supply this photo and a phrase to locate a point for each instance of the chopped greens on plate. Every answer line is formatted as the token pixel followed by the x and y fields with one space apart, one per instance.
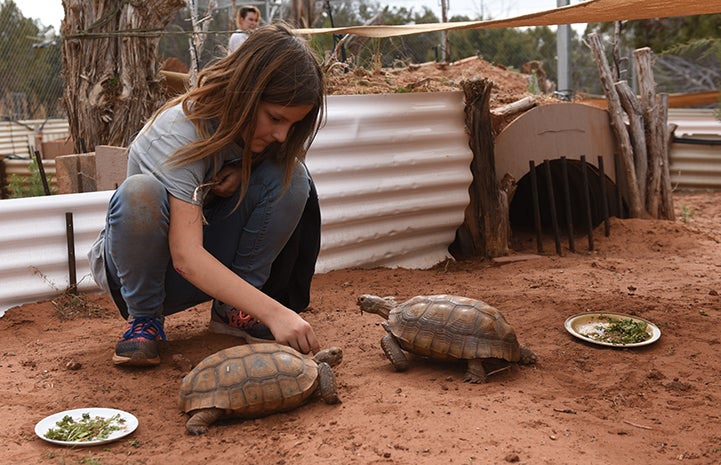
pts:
pixel 619 331
pixel 86 428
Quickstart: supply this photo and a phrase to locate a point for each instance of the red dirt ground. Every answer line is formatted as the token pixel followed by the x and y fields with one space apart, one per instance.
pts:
pixel 581 403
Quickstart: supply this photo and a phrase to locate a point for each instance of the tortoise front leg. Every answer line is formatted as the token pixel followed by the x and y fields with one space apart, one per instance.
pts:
pixel 326 384
pixel 394 352
pixel 200 420
pixel 475 372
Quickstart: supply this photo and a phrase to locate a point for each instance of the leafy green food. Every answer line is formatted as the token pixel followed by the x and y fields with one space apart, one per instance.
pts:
pixel 619 331
pixel 86 428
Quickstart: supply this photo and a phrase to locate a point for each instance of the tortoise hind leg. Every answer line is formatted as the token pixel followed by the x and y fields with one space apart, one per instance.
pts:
pixel 327 387
pixel 199 421
pixel 394 352
pixel 475 372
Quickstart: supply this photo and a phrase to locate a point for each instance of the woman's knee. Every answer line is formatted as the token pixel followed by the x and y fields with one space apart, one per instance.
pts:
pixel 142 187
pixel 140 197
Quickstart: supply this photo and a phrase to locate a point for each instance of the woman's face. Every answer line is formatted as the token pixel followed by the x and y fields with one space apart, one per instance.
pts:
pixel 250 22
pixel 274 122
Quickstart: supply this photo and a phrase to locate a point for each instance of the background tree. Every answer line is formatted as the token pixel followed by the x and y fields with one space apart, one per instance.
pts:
pixel 687 49
pixel 110 67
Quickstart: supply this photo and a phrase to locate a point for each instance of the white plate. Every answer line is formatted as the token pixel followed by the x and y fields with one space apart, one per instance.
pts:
pixel 584 323
pixel 48 423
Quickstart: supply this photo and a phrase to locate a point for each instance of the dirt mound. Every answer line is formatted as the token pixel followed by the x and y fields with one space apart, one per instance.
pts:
pixel 509 86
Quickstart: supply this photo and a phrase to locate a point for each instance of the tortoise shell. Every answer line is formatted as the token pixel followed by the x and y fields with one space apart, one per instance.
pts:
pixel 453 327
pixel 250 380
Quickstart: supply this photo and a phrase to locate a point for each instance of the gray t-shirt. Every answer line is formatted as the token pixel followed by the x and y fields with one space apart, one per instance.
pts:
pixel 159 139
pixel 148 153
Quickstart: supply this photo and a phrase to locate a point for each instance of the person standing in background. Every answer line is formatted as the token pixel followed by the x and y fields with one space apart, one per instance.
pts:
pixel 247 20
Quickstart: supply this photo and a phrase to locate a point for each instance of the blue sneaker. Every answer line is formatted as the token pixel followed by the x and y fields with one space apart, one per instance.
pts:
pixel 138 345
pixel 225 319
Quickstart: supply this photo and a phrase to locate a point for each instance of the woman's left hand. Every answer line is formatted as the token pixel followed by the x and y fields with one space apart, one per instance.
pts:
pixel 227 181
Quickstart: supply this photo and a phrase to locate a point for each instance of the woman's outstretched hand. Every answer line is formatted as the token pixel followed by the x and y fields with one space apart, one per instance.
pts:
pixel 290 329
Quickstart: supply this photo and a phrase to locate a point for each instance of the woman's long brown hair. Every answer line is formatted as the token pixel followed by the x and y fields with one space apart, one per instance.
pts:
pixel 273 66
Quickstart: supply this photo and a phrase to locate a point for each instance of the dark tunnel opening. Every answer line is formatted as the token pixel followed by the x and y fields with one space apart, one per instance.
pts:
pixel 521 213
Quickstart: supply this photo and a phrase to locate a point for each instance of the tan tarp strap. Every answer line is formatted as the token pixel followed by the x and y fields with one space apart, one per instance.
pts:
pixel 591 11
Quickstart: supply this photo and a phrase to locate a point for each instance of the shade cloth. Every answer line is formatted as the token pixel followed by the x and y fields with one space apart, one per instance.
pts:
pixel 591 11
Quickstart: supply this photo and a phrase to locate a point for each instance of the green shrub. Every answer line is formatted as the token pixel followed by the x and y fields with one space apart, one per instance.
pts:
pixel 32 186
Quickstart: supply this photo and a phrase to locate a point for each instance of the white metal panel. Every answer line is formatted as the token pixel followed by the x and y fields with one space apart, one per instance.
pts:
pixel 692 122
pixel 693 166
pixel 33 244
pixel 392 173
pixel 18 137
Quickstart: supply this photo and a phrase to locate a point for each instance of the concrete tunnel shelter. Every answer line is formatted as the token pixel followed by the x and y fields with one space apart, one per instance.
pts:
pixel 544 134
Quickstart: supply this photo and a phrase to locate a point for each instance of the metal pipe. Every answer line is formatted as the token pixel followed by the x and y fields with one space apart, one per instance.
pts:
pixel 552 206
pixel 536 207
pixel 70 234
pixel 604 198
pixel 569 212
pixel 587 197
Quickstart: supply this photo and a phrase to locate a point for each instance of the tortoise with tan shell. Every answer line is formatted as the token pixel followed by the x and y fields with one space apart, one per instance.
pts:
pixel 255 380
pixel 446 327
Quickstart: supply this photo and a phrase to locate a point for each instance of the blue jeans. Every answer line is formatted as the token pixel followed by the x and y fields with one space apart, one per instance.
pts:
pixel 247 240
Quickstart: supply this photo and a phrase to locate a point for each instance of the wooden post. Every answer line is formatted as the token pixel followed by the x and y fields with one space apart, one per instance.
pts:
pixel 485 229
pixel 667 211
pixel 654 136
pixel 618 126
pixel 638 136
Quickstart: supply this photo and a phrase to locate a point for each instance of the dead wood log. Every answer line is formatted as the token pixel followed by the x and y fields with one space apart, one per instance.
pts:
pixel 110 67
pixel 619 127
pixel 485 229
pixel 503 116
pixel 667 211
pixel 631 105
pixel 654 134
pixel 526 103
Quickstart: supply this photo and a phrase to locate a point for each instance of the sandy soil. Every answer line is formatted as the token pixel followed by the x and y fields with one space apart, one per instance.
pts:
pixel 582 403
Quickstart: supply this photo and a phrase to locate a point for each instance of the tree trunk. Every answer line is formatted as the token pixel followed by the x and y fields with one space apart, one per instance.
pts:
pixel 654 134
pixel 485 230
pixel 637 133
pixel 619 127
pixel 667 211
pixel 110 67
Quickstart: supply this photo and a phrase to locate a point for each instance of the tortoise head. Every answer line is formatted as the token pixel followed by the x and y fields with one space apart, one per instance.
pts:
pixel 527 357
pixel 379 305
pixel 332 356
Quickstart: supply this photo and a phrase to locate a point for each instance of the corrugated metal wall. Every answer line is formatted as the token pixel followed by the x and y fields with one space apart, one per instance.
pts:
pixel 392 173
pixel 19 137
pixel 695 165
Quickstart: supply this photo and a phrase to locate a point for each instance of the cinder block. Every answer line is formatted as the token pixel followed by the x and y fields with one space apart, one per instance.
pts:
pixel 54 148
pixel 111 164
pixel 75 173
